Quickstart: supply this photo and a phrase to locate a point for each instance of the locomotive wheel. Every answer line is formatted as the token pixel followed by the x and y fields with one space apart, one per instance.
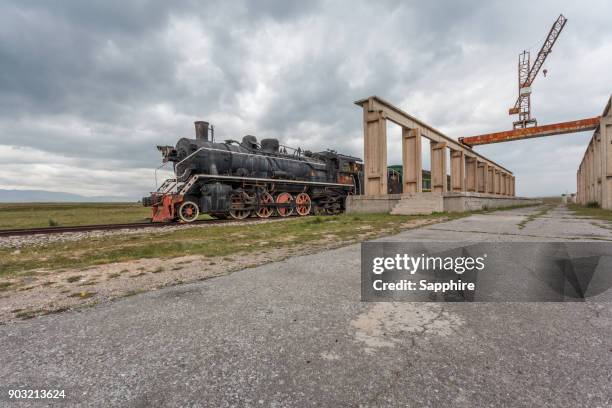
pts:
pixel 333 206
pixel 334 209
pixel 284 198
pixel 237 206
pixel 188 211
pixel 302 204
pixel 264 210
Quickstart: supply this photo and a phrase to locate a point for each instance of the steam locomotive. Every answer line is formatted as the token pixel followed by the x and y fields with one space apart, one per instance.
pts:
pixel 239 179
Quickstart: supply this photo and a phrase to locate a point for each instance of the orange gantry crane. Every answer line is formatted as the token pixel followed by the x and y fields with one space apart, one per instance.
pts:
pixel 582 125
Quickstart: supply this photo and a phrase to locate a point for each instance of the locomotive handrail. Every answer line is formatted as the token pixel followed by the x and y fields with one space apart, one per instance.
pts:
pixel 163 164
pixel 188 156
pixel 296 152
pixel 321 183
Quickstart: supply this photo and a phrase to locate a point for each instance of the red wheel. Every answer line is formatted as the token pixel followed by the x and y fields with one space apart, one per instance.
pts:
pixel 302 204
pixel 239 201
pixel 188 211
pixel 264 210
pixel 284 198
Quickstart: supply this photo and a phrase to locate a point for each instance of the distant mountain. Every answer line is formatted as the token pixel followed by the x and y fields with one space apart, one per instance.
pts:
pixel 42 196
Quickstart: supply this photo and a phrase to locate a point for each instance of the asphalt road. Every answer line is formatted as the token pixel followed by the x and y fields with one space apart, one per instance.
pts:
pixel 294 334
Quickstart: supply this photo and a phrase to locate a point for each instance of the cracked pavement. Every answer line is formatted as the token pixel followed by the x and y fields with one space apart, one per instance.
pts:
pixel 294 334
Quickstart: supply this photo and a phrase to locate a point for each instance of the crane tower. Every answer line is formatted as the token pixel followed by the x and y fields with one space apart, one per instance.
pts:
pixel 527 74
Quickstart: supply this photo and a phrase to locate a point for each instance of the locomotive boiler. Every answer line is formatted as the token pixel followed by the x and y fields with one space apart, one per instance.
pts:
pixel 239 179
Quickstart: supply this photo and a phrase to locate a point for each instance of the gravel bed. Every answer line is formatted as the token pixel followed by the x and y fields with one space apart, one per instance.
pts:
pixel 20 241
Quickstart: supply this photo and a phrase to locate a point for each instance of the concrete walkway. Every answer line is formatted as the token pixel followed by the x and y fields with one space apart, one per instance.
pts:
pixel 294 334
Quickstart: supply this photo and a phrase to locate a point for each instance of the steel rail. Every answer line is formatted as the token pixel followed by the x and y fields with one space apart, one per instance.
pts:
pixel 108 227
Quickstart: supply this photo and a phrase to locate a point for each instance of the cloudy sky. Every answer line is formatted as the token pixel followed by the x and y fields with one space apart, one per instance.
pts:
pixel 88 89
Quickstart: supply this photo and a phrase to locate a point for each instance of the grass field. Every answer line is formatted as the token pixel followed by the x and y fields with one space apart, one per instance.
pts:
pixel 207 241
pixel 597 213
pixel 32 215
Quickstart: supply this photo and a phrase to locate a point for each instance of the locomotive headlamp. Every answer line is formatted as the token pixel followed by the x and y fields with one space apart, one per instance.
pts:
pixel 167 152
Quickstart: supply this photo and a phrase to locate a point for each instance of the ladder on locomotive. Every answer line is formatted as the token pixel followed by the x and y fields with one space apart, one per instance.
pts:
pixel 174 186
pixel 187 186
pixel 167 186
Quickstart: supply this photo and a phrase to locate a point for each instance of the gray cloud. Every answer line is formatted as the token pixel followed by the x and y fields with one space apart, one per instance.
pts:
pixel 88 90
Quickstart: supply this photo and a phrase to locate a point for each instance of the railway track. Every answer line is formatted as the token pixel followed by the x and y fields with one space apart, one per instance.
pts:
pixel 107 227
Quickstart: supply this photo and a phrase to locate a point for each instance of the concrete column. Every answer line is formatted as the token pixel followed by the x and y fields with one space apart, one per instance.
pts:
pixel 585 189
pixel 586 176
pixel 584 172
pixel 508 186
pixel 438 167
pixel 502 183
pixel 597 166
pixel 457 169
pixel 589 176
pixel 591 173
pixel 595 173
pixel 580 184
pixel 497 181
pixel 585 185
pixel 411 159
pixel 586 180
pixel 471 174
pixel 482 177
pixel 490 180
pixel 605 128
pixel 375 152
pixel 513 186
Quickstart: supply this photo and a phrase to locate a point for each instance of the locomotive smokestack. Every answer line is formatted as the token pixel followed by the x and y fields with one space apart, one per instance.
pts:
pixel 201 130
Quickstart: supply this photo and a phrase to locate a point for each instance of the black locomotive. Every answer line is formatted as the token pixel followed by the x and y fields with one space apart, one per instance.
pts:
pixel 245 178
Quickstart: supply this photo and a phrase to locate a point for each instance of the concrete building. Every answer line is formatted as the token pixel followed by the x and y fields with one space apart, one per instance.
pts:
pixel 594 176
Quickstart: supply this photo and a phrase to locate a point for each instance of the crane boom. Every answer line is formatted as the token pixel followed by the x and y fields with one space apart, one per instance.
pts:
pixel 527 75
pixel 553 34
